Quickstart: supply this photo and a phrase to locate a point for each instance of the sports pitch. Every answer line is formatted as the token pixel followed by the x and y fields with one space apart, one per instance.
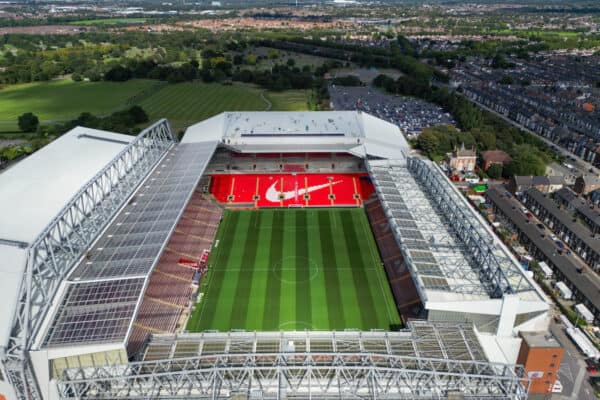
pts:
pixel 294 269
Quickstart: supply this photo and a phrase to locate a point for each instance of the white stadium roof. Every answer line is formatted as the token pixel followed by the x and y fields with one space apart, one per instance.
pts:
pixel 37 188
pixel 326 131
pixel 34 191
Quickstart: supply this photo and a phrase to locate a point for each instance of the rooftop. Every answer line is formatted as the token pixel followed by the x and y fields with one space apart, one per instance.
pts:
pixel 587 283
pixel 355 132
pixel 590 179
pixel 497 156
pixel 540 340
pixel 34 190
pixel 103 290
pixel 439 259
pixel 580 231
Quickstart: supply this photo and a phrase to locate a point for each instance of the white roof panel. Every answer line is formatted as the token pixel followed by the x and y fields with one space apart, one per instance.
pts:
pixel 12 265
pixel 208 130
pixel 33 191
pixel 302 131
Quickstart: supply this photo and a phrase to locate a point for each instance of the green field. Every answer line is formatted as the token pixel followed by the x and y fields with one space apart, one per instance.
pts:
pixel 58 100
pixel 187 103
pixel 294 269
pixel 183 103
pixel 289 100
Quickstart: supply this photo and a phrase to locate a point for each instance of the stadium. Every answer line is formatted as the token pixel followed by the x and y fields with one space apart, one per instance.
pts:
pixel 265 255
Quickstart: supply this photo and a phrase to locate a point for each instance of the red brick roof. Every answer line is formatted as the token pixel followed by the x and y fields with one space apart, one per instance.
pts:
pixel 495 156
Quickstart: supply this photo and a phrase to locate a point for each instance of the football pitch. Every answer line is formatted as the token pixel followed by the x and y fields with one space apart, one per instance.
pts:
pixel 294 269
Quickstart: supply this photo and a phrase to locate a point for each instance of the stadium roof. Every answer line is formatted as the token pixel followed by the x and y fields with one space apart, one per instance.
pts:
pixel 105 288
pixel 326 131
pixel 453 256
pixel 32 193
pixel 426 360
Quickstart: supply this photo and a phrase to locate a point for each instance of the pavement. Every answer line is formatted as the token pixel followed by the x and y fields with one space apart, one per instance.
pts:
pixel 572 374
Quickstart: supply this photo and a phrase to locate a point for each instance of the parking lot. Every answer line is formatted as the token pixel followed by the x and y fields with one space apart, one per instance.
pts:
pixel 410 114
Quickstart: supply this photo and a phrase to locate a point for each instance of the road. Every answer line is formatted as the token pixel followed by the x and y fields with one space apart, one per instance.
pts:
pixel 572 374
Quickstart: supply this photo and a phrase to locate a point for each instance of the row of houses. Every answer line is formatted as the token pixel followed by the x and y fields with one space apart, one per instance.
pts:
pixel 577 236
pixel 585 210
pixel 584 284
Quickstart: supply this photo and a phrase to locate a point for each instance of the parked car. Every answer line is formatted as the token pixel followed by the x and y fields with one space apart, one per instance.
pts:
pixel 557 387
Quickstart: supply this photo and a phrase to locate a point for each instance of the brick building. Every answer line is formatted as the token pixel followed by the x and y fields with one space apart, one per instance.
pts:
pixel 490 157
pixel 462 159
pixel 541 356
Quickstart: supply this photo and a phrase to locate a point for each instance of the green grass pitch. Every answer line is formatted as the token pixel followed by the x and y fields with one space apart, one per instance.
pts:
pixel 294 269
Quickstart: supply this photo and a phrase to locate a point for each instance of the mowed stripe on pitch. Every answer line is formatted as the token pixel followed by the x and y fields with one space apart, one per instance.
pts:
pixel 318 287
pixel 227 298
pixel 218 274
pixel 362 290
pixel 348 291
pixel 287 299
pixel 271 300
pixel 244 282
pixel 385 309
pixel 334 298
pixel 303 272
pixel 260 277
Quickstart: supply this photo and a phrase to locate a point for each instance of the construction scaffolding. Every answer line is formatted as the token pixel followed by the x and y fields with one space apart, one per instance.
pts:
pixel 426 360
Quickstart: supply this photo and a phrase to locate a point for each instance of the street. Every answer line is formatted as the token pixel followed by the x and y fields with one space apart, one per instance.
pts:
pixel 572 374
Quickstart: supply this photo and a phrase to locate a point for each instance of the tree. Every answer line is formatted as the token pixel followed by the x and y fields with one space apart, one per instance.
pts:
pixel 118 73
pixel 494 171
pixel 428 142
pixel 251 59
pixel 526 160
pixel 28 122
pixel 138 114
pixel 273 54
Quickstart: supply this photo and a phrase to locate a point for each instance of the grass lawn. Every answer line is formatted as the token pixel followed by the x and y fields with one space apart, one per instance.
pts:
pixel 63 99
pixel 183 103
pixel 186 103
pixel 295 269
pixel 289 100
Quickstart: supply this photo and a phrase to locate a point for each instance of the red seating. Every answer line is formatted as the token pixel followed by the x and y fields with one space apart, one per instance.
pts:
pixel 170 287
pixel 293 168
pixel 401 283
pixel 284 190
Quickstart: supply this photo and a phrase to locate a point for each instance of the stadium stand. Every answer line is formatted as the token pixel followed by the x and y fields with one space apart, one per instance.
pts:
pixel 283 190
pixel 403 287
pixel 227 161
pixel 170 286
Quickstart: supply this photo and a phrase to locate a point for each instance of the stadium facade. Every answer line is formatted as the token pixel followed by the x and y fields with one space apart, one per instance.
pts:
pixel 89 220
